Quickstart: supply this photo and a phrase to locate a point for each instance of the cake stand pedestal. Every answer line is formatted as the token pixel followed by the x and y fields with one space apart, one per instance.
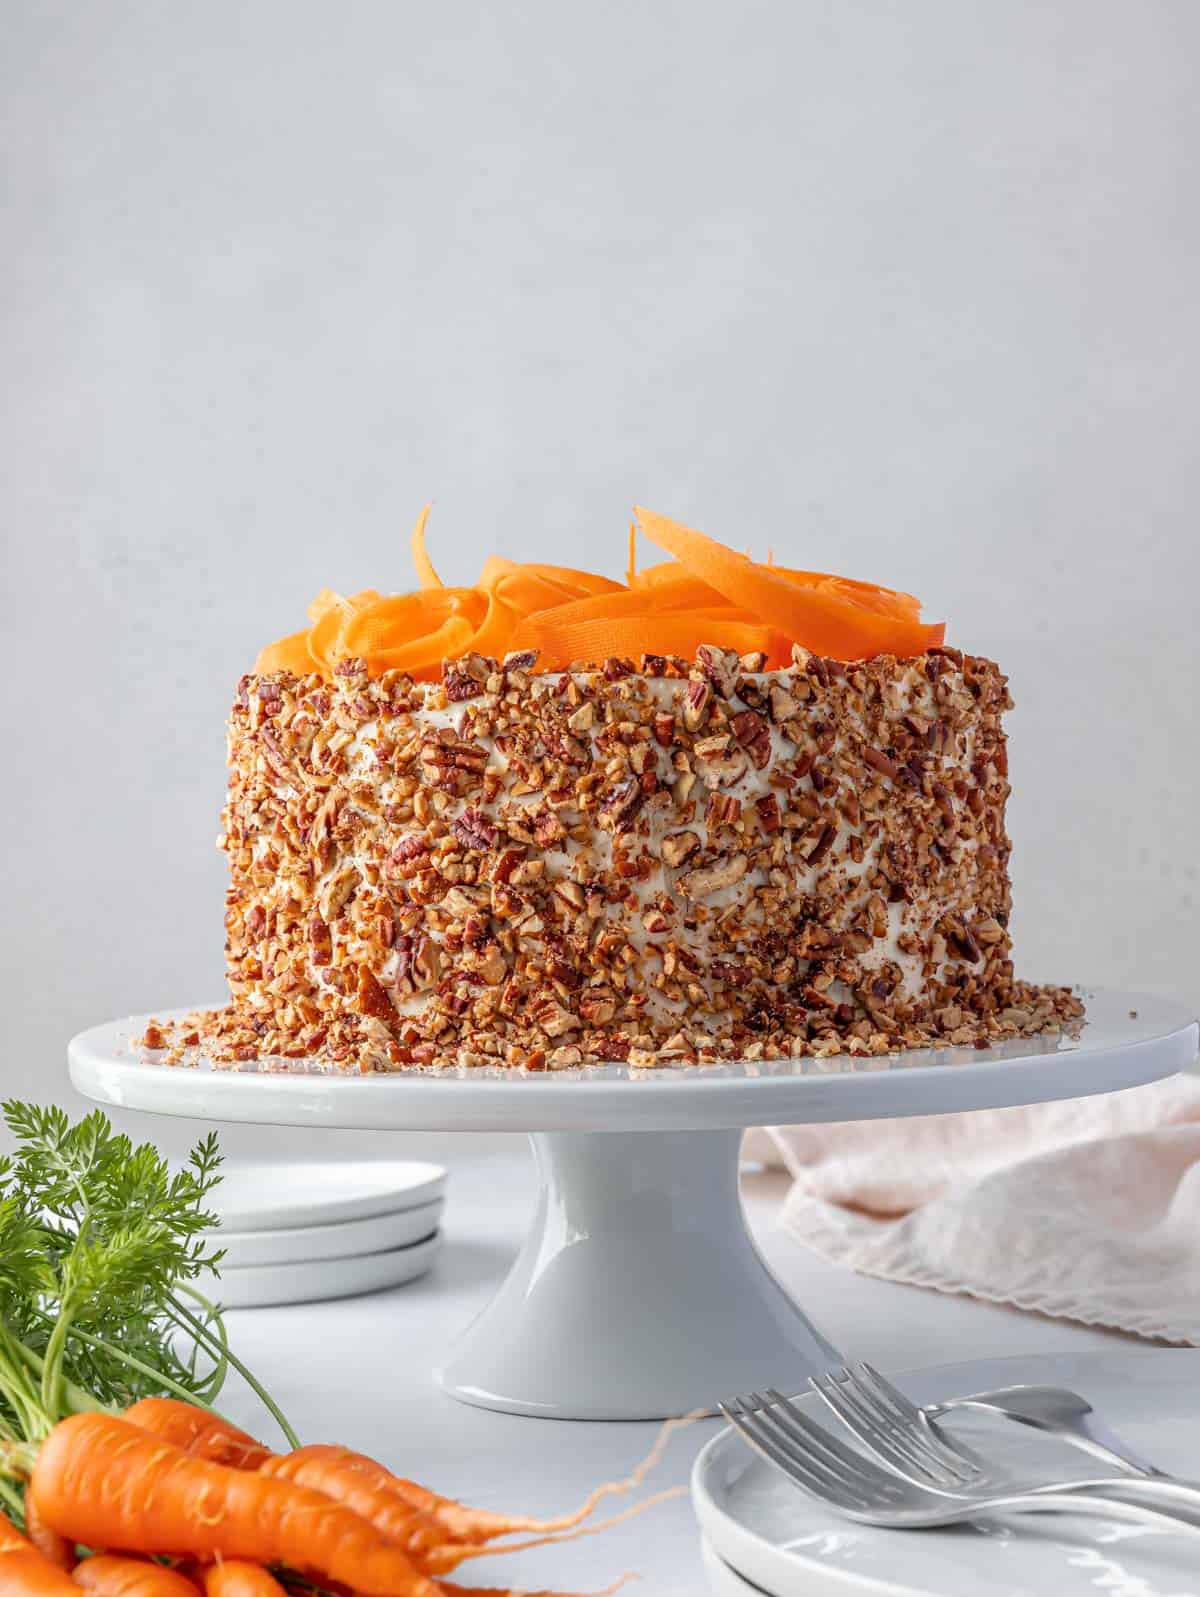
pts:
pixel 638 1292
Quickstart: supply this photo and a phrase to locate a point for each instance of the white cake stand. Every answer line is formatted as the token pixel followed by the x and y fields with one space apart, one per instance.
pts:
pixel 638 1292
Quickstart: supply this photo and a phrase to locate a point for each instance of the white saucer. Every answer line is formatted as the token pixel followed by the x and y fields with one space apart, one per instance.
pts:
pixel 268 1285
pixel 344 1240
pixel 789 1546
pixel 271 1197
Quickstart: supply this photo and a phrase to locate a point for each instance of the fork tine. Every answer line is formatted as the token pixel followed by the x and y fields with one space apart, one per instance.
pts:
pixel 895 1441
pixel 949 1450
pixel 943 1451
pixel 797 1469
pixel 808 1448
pixel 852 1467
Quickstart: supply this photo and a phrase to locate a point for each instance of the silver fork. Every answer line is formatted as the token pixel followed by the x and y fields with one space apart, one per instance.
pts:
pixel 848 1481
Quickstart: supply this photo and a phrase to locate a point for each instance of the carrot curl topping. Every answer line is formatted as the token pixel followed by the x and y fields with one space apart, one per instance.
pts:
pixel 706 594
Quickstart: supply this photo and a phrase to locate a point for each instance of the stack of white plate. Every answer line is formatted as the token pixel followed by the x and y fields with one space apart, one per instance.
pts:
pixel 296 1233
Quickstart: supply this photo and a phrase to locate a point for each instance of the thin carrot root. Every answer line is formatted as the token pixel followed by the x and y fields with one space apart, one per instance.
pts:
pixel 233 1577
pixel 620 1488
pixel 474 1526
pixel 198 1432
pixel 49 1543
pixel 111 1576
pixel 448 1558
pixel 24 1572
pixel 104 1482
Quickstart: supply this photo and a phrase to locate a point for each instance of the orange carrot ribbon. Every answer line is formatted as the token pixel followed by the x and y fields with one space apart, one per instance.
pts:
pixel 707 593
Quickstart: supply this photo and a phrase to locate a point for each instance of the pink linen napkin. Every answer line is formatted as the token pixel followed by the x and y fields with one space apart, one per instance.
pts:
pixel 1087 1210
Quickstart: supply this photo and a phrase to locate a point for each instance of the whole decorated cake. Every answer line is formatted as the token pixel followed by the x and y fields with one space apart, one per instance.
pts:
pixel 720 811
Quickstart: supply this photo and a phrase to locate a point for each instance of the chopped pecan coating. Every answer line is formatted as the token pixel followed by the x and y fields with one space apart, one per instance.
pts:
pixel 537 872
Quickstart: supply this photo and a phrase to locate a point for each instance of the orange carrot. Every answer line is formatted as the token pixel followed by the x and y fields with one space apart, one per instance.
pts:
pixel 103 1482
pixel 361 1486
pixel 198 1432
pixel 111 1576
pixel 24 1572
pixel 233 1577
pixel 48 1542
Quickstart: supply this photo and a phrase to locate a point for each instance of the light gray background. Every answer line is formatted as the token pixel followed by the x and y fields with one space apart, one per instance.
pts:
pixel 906 291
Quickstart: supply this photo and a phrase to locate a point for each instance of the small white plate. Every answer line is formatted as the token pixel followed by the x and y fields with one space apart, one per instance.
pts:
pixel 344 1240
pixel 790 1546
pixel 266 1285
pixel 273 1197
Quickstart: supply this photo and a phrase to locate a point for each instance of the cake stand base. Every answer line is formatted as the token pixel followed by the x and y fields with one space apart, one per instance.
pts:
pixel 638 1292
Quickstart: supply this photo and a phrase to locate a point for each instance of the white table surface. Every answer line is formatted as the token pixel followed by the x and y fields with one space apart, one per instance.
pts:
pixel 359 1371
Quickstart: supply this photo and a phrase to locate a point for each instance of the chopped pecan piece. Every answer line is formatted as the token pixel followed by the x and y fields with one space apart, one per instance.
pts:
pixel 722 811
pixel 474 830
pixel 678 846
pixel 823 844
pixel 522 660
pixel 570 892
pixel 768 812
pixel 734 975
pixel 548 830
pixel 372 1000
pixel 783 704
pixel 320 940
pixel 881 763
pixel 707 879
pixel 417 962
pixel 717 763
pixel 622 805
pixel 695 705
pixel 719 668
pixel 461 682
pixel 754 735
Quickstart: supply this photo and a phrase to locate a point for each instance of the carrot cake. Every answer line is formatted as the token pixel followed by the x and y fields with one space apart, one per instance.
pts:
pixel 785 837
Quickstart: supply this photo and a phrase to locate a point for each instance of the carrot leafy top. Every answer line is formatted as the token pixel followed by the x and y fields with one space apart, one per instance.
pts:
pixel 705 594
pixel 101 1247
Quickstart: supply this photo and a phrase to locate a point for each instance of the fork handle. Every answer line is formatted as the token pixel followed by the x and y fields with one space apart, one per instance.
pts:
pixel 1176 1499
pixel 1107 1506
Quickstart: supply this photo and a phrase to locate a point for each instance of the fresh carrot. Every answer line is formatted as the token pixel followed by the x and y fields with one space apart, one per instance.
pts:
pixel 48 1542
pixel 233 1577
pixel 103 1482
pixel 197 1431
pixel 112 1576
pixel 359 1485
pixel 24 1572
pixel 415 1518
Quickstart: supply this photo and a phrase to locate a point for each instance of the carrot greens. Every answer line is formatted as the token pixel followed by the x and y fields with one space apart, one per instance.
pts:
pixel 101 1248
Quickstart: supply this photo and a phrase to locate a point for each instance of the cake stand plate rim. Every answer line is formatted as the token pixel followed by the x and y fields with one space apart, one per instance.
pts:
pixel 1130 1039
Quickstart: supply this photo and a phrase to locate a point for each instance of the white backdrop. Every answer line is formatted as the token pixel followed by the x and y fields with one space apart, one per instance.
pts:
pixel 906 291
